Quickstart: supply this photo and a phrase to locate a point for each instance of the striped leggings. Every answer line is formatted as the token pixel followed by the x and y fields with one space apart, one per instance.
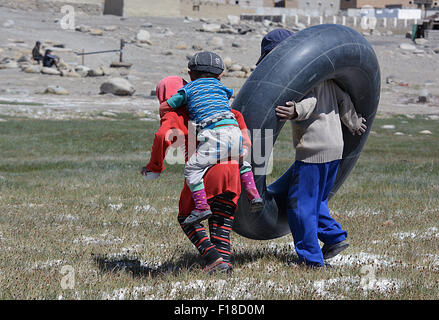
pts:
pixel 220 226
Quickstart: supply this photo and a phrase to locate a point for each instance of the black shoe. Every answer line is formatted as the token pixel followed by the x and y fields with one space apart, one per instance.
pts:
pixel 197 216
pixel 330 251
pixel 256 205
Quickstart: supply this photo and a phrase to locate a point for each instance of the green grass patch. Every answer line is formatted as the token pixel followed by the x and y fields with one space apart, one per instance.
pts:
pixel 71 195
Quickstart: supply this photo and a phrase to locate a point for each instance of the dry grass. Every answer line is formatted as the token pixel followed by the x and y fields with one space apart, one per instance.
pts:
pixel 71 195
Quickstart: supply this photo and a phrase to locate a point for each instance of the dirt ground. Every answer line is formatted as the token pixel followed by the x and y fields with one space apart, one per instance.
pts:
pixel 172 40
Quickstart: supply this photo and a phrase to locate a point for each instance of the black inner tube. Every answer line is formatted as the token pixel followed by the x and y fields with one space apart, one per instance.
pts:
pixel 289 72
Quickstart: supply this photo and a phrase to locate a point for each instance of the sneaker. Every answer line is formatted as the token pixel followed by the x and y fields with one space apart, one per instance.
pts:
pixel 330 251
pixel 256 205
pixel 197 216
pixel 151 175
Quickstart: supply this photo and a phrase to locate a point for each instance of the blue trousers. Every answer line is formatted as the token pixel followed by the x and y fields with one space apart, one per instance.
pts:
pixel 307 186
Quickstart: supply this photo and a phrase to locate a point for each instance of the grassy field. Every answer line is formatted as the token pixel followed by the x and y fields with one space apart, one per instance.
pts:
pixel 77 221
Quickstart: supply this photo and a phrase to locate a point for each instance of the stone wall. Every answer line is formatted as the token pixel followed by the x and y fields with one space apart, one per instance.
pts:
pixel 92 7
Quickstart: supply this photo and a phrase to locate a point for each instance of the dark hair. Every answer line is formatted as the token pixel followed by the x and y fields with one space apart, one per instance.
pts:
pixel 202 74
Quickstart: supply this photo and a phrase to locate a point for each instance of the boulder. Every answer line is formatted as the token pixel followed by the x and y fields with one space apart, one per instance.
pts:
pixel 50 71
pixel 96 32
pixel 237 74
pixel 421 41
pixel 56 90
pixel 83 28
pixel 82 70
pixel 228 62
pixel 210 27
pixel 235 67
pixel 32 69
pixel 110 28
pixel 70 74
pixel 143 36
pixel 117 86
pixel 407 46
pixel 233 19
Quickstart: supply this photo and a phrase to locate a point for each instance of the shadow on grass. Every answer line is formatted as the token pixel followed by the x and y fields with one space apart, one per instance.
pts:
pixel 185 263
pixel 138 269
pixel 245 257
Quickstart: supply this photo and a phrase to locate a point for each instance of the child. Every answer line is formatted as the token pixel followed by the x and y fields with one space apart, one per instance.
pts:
pixel 318 139
pixel 174 122
pixel 206 99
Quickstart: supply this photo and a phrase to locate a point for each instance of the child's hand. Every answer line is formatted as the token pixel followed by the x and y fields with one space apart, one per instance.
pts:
pixel 362 129
pixel 148 175
pixel 286 112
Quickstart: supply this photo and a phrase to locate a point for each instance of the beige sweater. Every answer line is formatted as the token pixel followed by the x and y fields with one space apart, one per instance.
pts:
pixel 317 133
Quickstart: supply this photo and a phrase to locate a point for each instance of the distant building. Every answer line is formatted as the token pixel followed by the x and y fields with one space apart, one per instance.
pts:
pixel 390 4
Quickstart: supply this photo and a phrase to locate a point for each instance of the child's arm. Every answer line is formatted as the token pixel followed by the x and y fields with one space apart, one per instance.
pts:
pixel 177 100
pixel 348 115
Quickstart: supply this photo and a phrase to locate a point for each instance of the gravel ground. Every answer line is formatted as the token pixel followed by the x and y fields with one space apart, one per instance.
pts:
pixel 171 41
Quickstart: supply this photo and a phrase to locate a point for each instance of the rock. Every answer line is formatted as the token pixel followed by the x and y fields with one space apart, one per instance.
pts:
pixel 228 62
pixel 50 71
pixel 233 19
pixel 436 50
pixel 210 27
pixel 425 132
pixel 83 28
pixel 216 42
pixel 70 74
pixel 110 28
pixel 266 23
pixel 117 86
pixel 56 90
pixel 96 72
pixel 32 69
pixel 235 67
pixel 407 46
pixel 236 45
pixel 418 51
pixel 388 126
pixel 8 24
pixel 433 117
pixel 10 64
pixel 181 46
pixel 96 32
pixel 24 58
pixel 143 36
pixel 424 96
pixel 421 41
pixel 237 74
pixel 389 33
pixel 83 71
pixel 197 47
pixel 390 80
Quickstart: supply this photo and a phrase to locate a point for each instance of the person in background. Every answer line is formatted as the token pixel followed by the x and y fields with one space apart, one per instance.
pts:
pixel 36 52
pixel 49 60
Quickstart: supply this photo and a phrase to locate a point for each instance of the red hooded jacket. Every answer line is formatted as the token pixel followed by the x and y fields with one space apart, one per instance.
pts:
pixel 219 178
